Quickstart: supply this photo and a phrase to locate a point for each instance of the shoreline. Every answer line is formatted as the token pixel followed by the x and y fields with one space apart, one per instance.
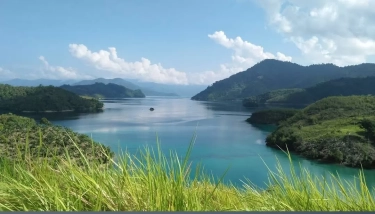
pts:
pixel 47 111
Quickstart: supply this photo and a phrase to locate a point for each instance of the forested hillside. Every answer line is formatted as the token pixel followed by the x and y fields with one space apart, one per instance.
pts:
pixel 101 90
pixel 337 87
pixel 44 98
pixel 334 129
pixel 22 135
pixel 271 116
pixel 275 96
pixel 272 74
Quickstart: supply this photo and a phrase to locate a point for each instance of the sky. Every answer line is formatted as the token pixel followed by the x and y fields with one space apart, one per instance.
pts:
pixel 182 42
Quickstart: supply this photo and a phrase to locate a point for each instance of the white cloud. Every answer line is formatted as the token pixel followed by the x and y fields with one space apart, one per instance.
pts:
pixel 58 72
pixel 144 69
pixel 4 71
pixel 335 31
pixel 245 55
pixel 6 74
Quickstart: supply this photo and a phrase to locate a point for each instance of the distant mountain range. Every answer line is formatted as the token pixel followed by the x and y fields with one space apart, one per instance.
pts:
pixel 37 82
pixel 126 84
pixel 270 74
pixel 148 88
pixel 101 90
pixel 182 90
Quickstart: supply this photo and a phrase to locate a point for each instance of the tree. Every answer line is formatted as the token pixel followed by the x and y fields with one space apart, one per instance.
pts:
pixel 369 126
pixel 44 121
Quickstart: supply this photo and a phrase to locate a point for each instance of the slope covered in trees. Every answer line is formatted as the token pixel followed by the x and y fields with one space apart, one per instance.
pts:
pixel 275 96
pixel 22 135
pixel 44 98
pixel 335 129
pixel 337 87
pixel 101 90
pixel 271 116
pixel 272 74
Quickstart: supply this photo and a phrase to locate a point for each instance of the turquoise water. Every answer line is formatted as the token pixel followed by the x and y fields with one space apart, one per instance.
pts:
pixel 224 139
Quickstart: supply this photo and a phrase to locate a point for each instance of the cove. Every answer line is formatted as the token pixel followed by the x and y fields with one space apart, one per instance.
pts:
pixel 223 140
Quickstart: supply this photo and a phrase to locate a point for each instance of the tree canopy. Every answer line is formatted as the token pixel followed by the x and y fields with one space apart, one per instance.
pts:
pixel 44 98
pixel 336 129
pixel 271 116
pixel 44 140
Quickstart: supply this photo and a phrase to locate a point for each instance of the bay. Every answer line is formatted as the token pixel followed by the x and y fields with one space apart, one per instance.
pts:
pixel 223 140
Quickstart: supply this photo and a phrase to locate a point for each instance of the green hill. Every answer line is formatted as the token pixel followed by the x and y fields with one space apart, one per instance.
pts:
pixel 275 96
pixel 337 87
pixel 44 98
pixel 334 129
pixel 271 116
pixel 20 134
pixel 101 90
pixel 272 74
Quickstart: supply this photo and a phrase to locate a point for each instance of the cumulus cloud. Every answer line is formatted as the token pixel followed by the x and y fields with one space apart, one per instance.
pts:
pixel 143 69
pixel 58 72
pixel 245 55
pixel 335 31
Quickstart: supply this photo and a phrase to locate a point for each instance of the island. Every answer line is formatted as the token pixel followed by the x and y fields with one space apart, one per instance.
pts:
pixel 44 99
pixel 337 129
pixel 304 97
pixel 20 136
pixel 271 74
pixel 101 90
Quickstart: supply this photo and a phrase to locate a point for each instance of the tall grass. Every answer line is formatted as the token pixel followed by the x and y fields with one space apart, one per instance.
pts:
pixel 149 181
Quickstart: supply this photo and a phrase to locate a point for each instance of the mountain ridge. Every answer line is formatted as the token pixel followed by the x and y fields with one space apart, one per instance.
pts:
pixel 344 86
pixel 126 84
pixel 271 74
pixel 102 90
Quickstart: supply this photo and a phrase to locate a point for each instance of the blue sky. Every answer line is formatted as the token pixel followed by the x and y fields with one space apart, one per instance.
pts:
pixel 70 39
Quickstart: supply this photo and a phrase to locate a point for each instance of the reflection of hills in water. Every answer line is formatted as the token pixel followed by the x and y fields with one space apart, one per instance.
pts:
pixel 264 127
pixel 224 106
pixel 236 106
pixel 128 101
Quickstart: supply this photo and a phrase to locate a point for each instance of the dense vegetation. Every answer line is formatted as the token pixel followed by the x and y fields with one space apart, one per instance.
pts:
pixel 101 90
pixel 337 87
pixel 334 129
pixel 126 84
pixel 271 116
pixel 44 98
pixel 272 74
pixel 21 135
pixel 150 181
pixel 275 96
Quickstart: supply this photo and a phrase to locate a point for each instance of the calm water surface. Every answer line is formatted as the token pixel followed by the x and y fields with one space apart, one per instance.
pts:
pixel 224 139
